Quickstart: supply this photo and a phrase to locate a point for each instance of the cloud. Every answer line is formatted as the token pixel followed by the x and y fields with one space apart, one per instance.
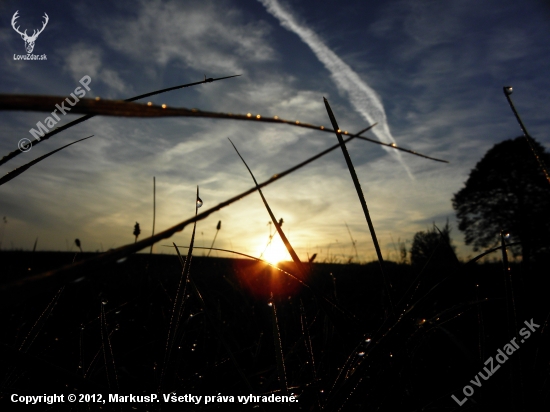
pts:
pixel 363 98
pixel 209 36
pixel 83 59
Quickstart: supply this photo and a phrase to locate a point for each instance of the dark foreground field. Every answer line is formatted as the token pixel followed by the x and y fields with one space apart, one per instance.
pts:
pixel 238 327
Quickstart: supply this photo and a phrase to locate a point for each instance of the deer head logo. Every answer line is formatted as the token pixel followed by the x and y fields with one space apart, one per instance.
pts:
pixel 29 40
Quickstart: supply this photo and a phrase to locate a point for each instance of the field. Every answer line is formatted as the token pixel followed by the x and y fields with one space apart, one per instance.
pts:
pixel 240 327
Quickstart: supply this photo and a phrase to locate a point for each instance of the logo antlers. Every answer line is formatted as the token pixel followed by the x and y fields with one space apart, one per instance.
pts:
pixel 29 40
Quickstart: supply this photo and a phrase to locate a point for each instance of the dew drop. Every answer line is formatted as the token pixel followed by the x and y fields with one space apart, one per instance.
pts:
pixel 368 340
pixel 270 304
pixel 104 301
pixel 164 106
pixel 199 202
pixel 258 116
pixel 149 104
pixel 361 354
pixel 117 327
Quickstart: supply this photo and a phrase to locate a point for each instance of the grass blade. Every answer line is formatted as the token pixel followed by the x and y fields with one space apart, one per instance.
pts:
pixel 278 350
pixel 179 301
pixel 84 118
pixel 16 172
pixel 211 321
pixel 126 109
pixel 361 200
pixel 288 246
pixel 154 209
pixel 218 227
pixel 471 261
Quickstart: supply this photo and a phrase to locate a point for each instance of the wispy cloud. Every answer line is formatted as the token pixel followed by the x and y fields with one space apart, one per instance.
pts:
pixel 209 35
pixel 83 59
pixel 363 98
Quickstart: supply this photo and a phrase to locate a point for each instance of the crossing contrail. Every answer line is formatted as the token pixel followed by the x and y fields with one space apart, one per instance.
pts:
pixel 363 98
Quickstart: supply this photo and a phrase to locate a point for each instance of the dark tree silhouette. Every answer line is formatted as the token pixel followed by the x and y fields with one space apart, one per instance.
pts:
pixel 507 191
pixel 432 245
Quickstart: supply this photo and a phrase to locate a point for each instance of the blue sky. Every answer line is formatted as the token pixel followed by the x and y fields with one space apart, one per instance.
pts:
pixel 431 73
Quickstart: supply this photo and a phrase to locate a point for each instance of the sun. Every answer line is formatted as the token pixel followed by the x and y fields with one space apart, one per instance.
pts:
pixel 276 252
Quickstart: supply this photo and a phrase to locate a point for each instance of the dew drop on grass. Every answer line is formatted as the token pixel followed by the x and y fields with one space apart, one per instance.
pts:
pixel 361 354
pixel 199 202
pixel 104 301
pixel 270 304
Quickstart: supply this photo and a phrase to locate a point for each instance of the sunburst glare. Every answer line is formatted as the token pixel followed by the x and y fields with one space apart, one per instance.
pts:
pixel 276 251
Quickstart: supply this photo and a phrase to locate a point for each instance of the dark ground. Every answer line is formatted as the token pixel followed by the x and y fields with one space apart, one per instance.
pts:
pixel 340 347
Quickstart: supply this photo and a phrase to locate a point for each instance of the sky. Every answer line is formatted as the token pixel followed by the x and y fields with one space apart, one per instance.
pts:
pixel 430 73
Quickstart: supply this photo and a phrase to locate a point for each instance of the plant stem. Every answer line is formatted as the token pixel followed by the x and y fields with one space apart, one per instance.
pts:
pixel 361 200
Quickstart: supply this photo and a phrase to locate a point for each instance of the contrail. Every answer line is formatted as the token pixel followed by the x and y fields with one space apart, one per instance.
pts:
pixel 363 98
